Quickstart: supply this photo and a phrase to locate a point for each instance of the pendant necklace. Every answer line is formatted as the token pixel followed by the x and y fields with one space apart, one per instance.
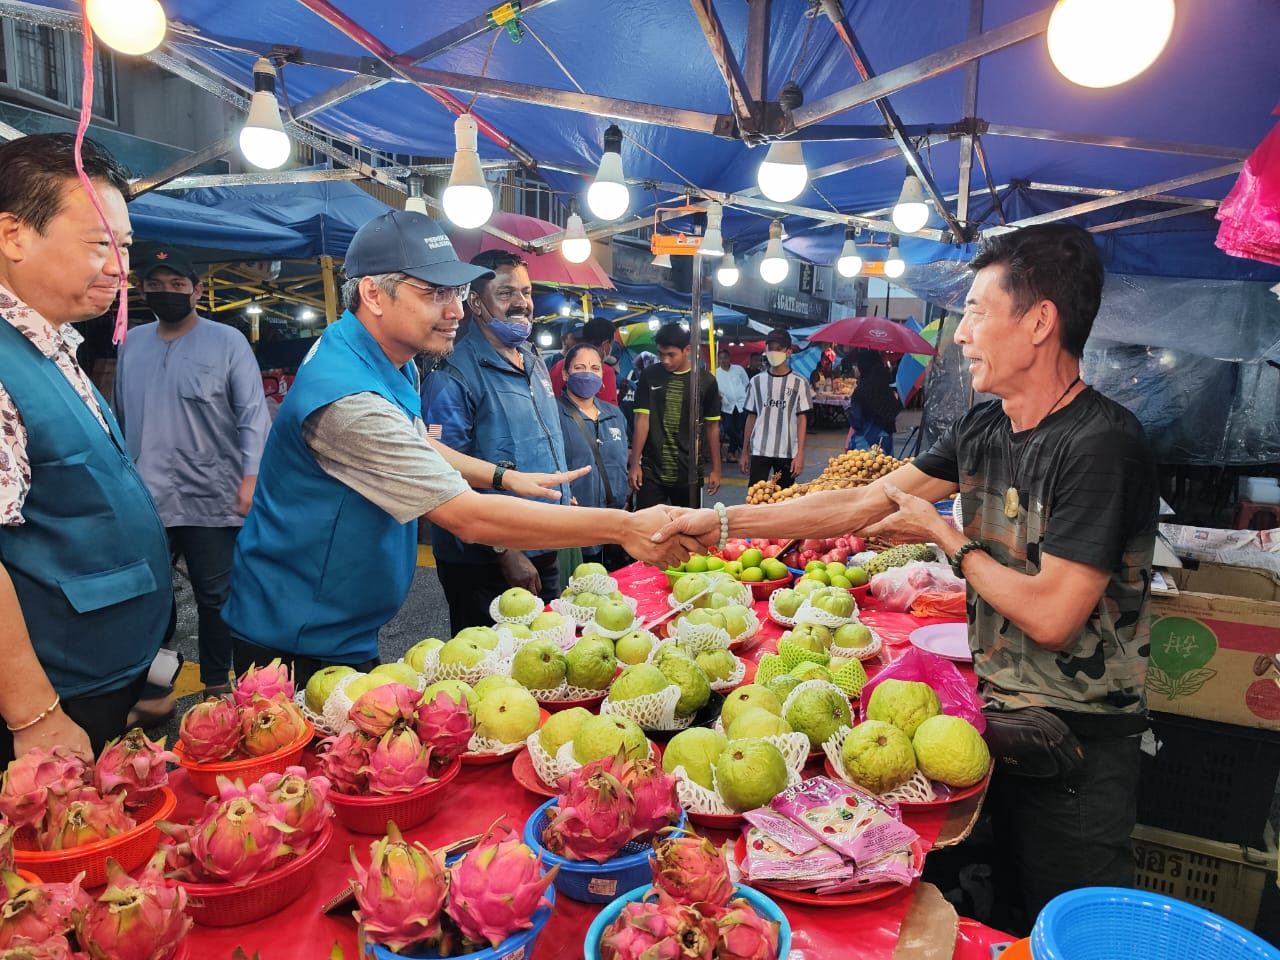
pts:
pixel 1012 503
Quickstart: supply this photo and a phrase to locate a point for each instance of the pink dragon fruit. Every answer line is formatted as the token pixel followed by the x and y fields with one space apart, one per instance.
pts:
pixel 54 948
pixel 271 682
pixel 237 839
pixel 398 763
pixel 33 913
pixel 661 929
pixel 7 830
pixel 654 793
pixel 742 934
pixel 83 816
pixel 495 889
pixel 401 893
pixel 446 726
pixel 32 778
pixel 210 730
pixel 342 759
pixel 175 845
pixel 268 725
pixel 388 707
pixel 139 919
pixel 690 870
pixel 135 766
pixel 593 818
pixel 301 802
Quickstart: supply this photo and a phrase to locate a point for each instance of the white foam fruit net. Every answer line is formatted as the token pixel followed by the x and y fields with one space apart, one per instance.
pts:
pixel 916 790
pixel 546 765
pixel 578 614
pixel 525 618
pixel 733 680
pixel 338 705
pixel 778 617
pixel 433 669
pixel 698 637
pixel 842 655
pixel 565 693
pixel 319 721
pixel 653 711
pixel 697 799
pixel 565 762
pixel 564 636
pixel 808 613
pixel 491 747
pixel 595 583
pixel 808 685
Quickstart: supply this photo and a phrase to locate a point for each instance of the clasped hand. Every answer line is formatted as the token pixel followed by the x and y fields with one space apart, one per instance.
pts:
pixel 652 536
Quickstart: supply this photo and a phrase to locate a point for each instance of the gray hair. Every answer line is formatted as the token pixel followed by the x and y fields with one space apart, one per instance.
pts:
pixel 386 282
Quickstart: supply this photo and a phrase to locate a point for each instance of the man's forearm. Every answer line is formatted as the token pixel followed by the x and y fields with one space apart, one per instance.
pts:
pixel 528 525
pixel 25 689
pixel 713 444
pixel 639 440
pixel 478 473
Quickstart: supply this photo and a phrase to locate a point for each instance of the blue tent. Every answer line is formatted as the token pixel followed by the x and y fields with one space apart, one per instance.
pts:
pixel 219 234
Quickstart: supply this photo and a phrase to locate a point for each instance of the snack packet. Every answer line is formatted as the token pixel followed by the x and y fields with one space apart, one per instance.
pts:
pixel 853 823
pixel 768 860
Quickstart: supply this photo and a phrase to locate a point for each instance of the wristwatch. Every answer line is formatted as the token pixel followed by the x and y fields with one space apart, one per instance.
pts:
pixel 501 467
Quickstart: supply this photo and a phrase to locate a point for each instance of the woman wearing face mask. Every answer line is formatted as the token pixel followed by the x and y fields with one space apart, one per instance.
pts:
pixel 595 435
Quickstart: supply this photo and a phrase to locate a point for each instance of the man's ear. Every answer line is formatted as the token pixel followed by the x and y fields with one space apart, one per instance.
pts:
pixel 12 237
pixel 1044 321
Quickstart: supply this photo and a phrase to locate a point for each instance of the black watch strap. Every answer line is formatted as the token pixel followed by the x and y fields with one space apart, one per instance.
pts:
pixel 963 551
pixel 501 467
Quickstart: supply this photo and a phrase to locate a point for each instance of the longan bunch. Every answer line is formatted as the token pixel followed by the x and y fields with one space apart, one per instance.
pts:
pixel 857 466
pixel 768 491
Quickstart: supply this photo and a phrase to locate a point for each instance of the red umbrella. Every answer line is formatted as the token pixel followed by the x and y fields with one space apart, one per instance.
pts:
pixel 875 333
pixel 544 267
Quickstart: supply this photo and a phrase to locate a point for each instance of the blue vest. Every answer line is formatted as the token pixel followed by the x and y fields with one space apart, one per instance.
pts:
pixel 90 564
pixel 318 568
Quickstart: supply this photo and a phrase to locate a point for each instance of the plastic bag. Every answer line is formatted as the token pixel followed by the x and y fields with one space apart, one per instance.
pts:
pixel 897 588
pixel 1250 213
pixel 958 694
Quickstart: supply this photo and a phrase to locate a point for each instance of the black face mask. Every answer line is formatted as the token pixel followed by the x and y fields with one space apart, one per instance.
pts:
pixel 169 307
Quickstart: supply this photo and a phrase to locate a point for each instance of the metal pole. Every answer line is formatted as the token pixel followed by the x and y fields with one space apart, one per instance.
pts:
pixel 695 386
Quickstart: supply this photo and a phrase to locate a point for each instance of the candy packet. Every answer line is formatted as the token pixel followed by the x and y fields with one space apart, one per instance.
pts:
pixel 768 860
pixel 854 824
pixel 782 830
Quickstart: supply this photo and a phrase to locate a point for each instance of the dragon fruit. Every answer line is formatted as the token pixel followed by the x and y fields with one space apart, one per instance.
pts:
pixel 210 730
pixel 690 870
pixel 398 763
pixel 401 893
pixel 660 929
pixel 54 948
pixel 300 801
pixel 35 776
pixel 342 759
pixel 742 934
pixel 139 919
pixel 269 725
pixel 135 766
pixel 654 793
pixel 495 889
pixel 273 681
pixel 33 913
pixel 175 845
pixel 593 818
pixel 390 706
pixel 446 725
pixel 7 830
pixel 237 839
pixel 83 816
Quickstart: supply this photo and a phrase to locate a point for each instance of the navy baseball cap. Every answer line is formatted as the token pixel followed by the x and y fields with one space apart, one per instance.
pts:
pixel 778 337
pixel 401 241
pixel 146 263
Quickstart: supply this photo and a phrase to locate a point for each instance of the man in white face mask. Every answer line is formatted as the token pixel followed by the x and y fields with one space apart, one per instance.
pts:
pixel 778 403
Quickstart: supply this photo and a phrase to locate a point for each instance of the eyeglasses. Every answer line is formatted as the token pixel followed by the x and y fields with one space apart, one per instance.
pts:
pixel 439 294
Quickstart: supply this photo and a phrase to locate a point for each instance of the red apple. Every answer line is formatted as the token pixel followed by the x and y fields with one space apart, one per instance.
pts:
pixel 772 550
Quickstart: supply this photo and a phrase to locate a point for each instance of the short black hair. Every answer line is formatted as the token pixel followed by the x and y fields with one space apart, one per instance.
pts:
pixel 576 349
pixel 494 260
pixel 1055 262
pixel 597 330
pixel 36 169
pixel 672 335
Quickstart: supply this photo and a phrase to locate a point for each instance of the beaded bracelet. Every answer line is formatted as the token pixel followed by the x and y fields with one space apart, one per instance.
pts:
pixel 723 511
pixel 57 699
pixel 965 551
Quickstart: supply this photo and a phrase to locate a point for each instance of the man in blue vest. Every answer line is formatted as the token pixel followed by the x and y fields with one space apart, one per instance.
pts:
pixel 85 589
pixel 327 553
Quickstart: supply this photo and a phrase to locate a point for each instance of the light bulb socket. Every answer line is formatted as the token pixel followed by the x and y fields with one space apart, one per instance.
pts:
pixel 613 139
pixel 264 77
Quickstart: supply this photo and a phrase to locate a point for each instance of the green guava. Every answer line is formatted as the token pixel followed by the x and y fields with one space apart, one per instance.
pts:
pixel 738 701
pixel 539 665
pixel 818 712
pixel 878 756
pixel 757 722
pixel 718 665
pixel 507 715
pixel 590 663
pixel 562 727
pixel 495 681
pixel 750 773
pixel 638 680
pixel 904 703
pixel 695 688
pixel 951 751
pixel 604 735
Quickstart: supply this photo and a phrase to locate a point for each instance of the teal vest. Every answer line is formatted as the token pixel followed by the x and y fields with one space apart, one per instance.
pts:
pixel 90 564
pixel 318 568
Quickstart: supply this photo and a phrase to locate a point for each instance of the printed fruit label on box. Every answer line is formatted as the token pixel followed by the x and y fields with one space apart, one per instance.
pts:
pixel 1219 669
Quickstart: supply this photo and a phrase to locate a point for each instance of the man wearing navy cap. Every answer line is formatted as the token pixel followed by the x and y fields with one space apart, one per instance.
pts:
pixel 328 552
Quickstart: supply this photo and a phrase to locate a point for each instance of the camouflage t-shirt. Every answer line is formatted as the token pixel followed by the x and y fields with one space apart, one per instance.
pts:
pixel 1087 488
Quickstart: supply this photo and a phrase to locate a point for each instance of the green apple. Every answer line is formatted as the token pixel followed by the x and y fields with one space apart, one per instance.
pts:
pixel 322 683
pixel 562 727
pixel 852 635
pixel 736 702
pixel 756 722
pixel 604 735
pixel 462 652
pixel 733 568
pixel 539 665
pixel 814 565
pixel 718 665
pixel 751 575
pixel 416 655
pixel 399 673
pixel 834 600
pixel 835 569
pixel 589 570
pixel 495 681
pixel 590 663
pixel 634 647
pixel 614 615
pixel 547 620
pixel 787 601
pixel 751 557
pixel 857 576
pixel 638 680
pixel 696 564
pixel 507 715
pixel 838 580
pixel 774 569
pixel 821 576
pixel 518 602
pixel 715 563
pixel 456 690
pixel 689 586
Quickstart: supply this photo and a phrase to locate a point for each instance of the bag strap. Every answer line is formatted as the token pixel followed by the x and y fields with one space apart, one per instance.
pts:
pixel 593 444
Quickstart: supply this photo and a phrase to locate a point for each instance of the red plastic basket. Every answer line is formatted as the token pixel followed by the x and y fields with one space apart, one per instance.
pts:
pixel 130 849
pixel 369 813
pixel 204 776
pixel 226 905
pixel 760 589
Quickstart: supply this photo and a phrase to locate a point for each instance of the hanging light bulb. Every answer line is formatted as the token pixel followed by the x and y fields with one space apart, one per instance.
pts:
pixel 654 323
pixel 849 263
pixel 545 339
pixel 467 201
pixel 575 247
pixel 1101 43
pixel 607 197
pixel 416 203
pixel 783 176
pixel 727 273
pixel 774 266
pixel 894 265
pixel 706 323
pixel 262 139
pixel 132 27
pixel 662 261
pixel 911 212
pixel 253 310
pixel 565 309
pixel 712 244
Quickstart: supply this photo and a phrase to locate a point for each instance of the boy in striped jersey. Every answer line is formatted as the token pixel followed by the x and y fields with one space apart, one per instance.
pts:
pixel 778 403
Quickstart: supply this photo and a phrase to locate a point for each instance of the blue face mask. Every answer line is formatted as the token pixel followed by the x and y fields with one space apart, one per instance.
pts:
pixel 584 383
pixel 511 333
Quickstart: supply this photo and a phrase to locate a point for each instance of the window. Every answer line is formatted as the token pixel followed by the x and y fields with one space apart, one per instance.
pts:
pixel 46 62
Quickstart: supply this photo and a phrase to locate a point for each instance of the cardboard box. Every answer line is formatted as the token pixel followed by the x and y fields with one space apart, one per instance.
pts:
pixel 1215 647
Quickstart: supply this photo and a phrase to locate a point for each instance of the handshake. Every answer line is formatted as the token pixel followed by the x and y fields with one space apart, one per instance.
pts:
pixel 665 536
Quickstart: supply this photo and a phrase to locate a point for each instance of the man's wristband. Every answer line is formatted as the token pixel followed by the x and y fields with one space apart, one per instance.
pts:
pixel 963 551
pixel 723 512
pixel 499 468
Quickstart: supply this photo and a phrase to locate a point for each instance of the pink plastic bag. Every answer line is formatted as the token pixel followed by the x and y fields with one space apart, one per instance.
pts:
pixel 1250 213
pixel 958 696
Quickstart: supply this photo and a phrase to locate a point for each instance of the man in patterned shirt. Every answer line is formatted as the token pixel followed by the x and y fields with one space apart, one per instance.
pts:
pixel 1059 498
pixel 85 590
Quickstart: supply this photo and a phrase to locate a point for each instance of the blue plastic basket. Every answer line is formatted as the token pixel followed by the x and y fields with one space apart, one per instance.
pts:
pixel 587 880
pixel 516 947
pixel 759 902
pixel 1112 923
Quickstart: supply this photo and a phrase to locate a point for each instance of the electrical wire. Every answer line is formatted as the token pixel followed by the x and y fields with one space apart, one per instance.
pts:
pixel 484 67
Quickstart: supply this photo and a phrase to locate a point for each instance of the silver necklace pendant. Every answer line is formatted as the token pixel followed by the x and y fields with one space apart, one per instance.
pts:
pixel 1011 503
